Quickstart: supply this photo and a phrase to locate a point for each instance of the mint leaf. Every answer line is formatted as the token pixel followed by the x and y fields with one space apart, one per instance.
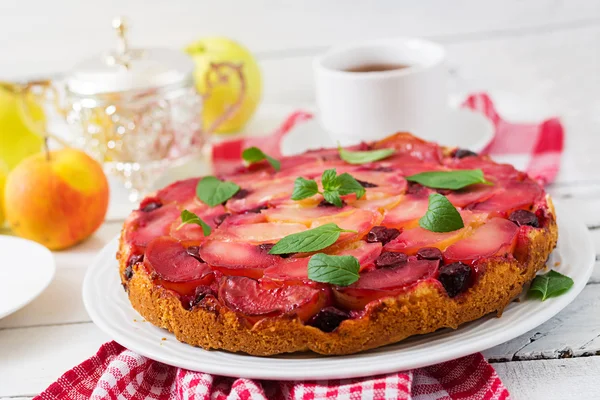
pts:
pixel 336 186
pixel 549 285
pixel 334 198
pixel 213 191
pixel 347 184
pixel 333 187
pixel 328 179
pixel 441 215
pixel 363 157
pixel 188 217
pixel 449 179
pixel 337 270
pixel 304 188
pixel 254 154
pixel 307 241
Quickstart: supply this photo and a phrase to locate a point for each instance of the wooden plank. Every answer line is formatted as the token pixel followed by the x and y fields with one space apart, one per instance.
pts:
pixel 81 255
pixel 33 358
pixel 60 303
pixel 595 234
pixel 584 206
pixel 16 398
pixel 595 278
pixel 574 331
pixel 264 26
pixel 552 379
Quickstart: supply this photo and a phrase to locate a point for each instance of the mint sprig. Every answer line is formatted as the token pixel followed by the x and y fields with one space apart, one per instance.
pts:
pixel 453 180
pixel 364 157
pixel 333 198
pixel 254 155
pixel 337 270
pixel 549 285
pixel 441 215
pixel 188 217
pixel 304 188
pixel 308 241
pixel 334 186
pixel 213 191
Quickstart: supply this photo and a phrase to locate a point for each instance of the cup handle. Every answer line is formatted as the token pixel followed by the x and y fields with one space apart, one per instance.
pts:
pixel 22 91
pixel 217 69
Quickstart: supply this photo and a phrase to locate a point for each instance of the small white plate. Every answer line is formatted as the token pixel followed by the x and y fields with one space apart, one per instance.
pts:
pixel 109 308
pixel 462 127
pixel 26 269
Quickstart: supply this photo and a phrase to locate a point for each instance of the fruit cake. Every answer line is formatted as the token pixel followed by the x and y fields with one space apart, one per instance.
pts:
pixel 335 251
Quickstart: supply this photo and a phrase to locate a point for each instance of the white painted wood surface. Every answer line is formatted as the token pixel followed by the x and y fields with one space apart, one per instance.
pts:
pixel 538 58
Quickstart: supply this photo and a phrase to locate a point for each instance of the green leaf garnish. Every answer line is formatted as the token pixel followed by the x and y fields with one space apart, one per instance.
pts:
pixel 364 157
pixel 346 184
pixel 453 180
pixel 333 187
pixel 304 188
pixel 334 198
pixel 328 178
pixel 254 154
pixel 441 215
pixel 337 270
pixel 188 217
pixel 310 240
pixel 549 285
pixel 213 191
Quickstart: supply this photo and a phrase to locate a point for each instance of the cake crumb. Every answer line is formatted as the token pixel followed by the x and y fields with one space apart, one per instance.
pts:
pixel 134 320
pixel 557 263
pixel 163 338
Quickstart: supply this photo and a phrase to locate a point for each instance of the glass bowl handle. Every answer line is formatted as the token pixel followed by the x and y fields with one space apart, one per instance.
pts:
pixel 218 69
pixel 39 90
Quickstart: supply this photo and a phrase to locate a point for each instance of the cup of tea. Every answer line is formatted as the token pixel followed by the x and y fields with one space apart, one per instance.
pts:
pixel 369 90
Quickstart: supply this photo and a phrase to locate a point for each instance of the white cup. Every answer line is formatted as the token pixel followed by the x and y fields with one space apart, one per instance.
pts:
pixel 365 106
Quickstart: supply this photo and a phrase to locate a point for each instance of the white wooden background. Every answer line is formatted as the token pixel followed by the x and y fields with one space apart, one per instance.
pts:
pixel 537 57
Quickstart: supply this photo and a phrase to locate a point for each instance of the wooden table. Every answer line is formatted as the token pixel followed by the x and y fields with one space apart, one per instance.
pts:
pixel 538 58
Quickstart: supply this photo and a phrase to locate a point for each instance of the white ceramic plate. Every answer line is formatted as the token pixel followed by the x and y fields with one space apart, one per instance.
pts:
pixel 26 269
pixel 107 304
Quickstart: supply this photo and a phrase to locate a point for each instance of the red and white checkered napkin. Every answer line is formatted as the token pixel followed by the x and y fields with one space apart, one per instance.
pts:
pixel 117 373
pixel 533 147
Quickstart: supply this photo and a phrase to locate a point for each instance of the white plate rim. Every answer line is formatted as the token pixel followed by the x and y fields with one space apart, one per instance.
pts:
pixel 51 265
pixel 379 361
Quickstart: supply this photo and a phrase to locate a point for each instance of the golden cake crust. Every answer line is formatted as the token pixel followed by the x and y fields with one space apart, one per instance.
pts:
pixel 424 308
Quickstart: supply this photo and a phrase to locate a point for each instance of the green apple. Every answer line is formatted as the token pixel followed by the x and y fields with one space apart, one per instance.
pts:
pixel 17 139
pixel 223 94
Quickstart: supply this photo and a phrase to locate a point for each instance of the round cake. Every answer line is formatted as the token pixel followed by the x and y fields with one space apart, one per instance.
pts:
pixel 335 251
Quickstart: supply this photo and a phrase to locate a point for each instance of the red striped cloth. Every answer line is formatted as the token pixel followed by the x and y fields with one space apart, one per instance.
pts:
pixel 534 147
pixel 117 373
